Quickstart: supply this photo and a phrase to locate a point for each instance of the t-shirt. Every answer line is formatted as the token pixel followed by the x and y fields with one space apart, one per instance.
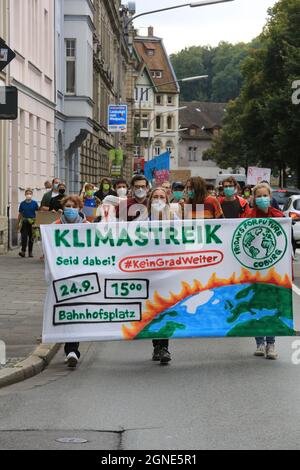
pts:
pixel 28 209
pixel 211 210
pixel 256 213
pixel 133 212
pixel 232 209
pixel 90 209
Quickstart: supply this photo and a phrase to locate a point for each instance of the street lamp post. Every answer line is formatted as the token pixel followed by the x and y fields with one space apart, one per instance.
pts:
pixel 202 3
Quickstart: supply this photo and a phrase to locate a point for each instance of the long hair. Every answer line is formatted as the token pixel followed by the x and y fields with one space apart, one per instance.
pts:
pixel 199 186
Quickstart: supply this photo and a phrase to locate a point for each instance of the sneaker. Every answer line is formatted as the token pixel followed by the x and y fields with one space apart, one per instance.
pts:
pixel 156 353
pixel 30 255
pixel 165 356
pixel 22 254
pixel 72 360
pixel 270 352
pixel 260 350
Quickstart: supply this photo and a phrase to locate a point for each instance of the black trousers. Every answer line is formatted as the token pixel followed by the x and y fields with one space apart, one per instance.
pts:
pixel 26 236
pixel 163 343
pixel 72 347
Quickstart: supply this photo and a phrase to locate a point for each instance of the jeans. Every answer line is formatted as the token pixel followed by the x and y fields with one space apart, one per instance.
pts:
pixel 72 347
pixel 163 343
pixel 260 340
pixel 26 235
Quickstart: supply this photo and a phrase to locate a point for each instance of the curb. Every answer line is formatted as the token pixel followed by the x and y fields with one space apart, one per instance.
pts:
pixel 31 366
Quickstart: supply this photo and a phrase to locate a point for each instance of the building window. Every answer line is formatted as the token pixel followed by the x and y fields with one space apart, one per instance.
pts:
pixel 137 151
pixel 169 147
pixel 156 73
pixel 157 148
pixel 158 122
pixel 170 100
pixel 150 52
pixel 170 123
pixel 158 99
pixel 192 132
pixel 136 90
pixel 70 66
pixel 144 94
pixel 195 154
pixel 190 153
pixel 145 121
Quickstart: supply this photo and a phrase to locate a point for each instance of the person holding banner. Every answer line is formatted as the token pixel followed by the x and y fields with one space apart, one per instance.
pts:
pixel 159 209
pixel 233 205
pixel 72 214
pixel 198 203
pixel 262 208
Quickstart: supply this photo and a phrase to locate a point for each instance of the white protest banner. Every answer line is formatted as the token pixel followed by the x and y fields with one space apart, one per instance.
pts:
pixel 178 279
pixel 257 175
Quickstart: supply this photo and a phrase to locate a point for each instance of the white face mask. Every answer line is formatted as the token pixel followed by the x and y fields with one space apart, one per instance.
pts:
pixel 122 192
pixel 158 205
pixel 28 197
pixel 140 193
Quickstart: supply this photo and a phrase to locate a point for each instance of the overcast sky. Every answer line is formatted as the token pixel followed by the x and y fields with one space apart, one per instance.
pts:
pixel 239 20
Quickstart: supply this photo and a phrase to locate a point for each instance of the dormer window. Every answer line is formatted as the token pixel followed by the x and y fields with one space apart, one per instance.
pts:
pixel 150 52
pixel 156 73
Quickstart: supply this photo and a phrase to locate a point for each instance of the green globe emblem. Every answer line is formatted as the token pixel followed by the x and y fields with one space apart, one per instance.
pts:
pixel 259 243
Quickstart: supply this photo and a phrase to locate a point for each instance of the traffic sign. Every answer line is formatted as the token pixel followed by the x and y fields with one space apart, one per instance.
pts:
pixel 6 55
pixel 117 118
pixel 8 102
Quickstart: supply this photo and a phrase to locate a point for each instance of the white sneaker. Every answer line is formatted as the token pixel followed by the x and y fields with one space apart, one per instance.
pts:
pixel 72 360
pixel 260 350
pixel 270 352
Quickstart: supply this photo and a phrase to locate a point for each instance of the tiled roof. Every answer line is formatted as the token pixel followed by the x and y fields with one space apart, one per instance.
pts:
pixel 158 61
pixel 210 115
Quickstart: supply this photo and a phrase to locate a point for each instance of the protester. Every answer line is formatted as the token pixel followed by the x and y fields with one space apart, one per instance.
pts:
pixel 90 202
pixel 26 220
pixel 198 203
pixel 54 192
pixel 233 205
pixel 247 195
pixel 137 204
pixel 211 190
pixel 274 203
pixel 262 209
pixel 167 187
pixel 105 189
pixel 48 185
pixel 72 214
pixel 177 191
pixel 55 203
pixel 159 209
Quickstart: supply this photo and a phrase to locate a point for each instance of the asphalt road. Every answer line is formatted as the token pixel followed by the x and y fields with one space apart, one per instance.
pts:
pixel 214 395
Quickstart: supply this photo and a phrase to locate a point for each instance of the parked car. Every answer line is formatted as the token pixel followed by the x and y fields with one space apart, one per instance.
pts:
pixel 282 196
pixel 292 210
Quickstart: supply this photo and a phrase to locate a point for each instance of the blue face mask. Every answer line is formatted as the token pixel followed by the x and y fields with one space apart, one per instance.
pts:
pixel 191 194
pixel 178 195
pixel 55 186
pixel 71 213
pixel 263 202
pixel 229 192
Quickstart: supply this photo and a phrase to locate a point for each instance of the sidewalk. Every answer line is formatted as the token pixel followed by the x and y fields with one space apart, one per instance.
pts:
pixel 22 293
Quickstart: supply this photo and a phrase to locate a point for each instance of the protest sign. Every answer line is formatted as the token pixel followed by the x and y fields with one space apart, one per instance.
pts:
pixel 179 279
pixel 257 175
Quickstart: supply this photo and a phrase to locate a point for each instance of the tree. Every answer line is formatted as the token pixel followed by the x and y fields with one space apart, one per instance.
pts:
pixel 262 126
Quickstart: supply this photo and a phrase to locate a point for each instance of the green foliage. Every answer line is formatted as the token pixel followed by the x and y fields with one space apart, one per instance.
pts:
pixel 262 125
pixel 222 64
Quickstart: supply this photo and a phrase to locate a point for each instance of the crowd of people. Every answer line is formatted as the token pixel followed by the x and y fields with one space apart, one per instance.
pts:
pixel 120 201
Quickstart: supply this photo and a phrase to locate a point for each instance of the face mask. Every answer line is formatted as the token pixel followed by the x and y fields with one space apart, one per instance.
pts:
pixel 140 193
pixel 90 193
pixel 122 192
pixel 263 202
pixel 71 213
pixel 55 186
pixel 178 195
pixel 191 194
pixel 229 192
pixel 62 191
pixel 158 205
pixel 106 187
pixel 246 194
pixel 28 197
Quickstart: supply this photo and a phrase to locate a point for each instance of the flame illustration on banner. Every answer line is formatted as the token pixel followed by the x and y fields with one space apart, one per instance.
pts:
pixel 266 289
